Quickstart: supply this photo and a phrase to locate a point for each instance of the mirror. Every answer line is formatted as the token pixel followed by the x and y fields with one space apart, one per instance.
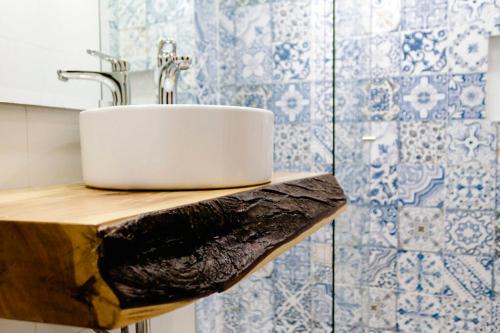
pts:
pixel 37 38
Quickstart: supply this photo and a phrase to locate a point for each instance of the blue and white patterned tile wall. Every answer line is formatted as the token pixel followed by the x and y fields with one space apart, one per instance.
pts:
pixel 417 251
pixel 275 54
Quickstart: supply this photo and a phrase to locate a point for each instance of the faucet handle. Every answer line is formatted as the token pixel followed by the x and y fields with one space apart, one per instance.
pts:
pixel 165 55
pixel 117 64
pixel 162 44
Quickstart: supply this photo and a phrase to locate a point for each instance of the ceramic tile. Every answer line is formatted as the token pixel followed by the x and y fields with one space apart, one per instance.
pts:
pixel 497 241
pixel 419 313
pixel 322 147
pixel 385 60
pixel 470 185
pixel 472 140
pixel 291 22
pixel 227 96
pixel 354 179
pixel 321 307
pixel 383 186
pixel 134 46
pixel 322 261
pixel 352 18
pixel 205 318
pixel 424 52
pixel 322 48
pixel 384 147
pixel 352 59
pixel 378 268
pixel 255 65
pixel 496 278
pixel 469 232
pixel 257 300
pixel 382 227
pixel 248 2
pixel 495 316
pixel 166 10
pixel 467 96
pixel 468 277
pixel 383 100
pixel 13 147
pixel 253 30
pixel 292 144
pixel 420 272
pixel 292 103
pixel 291 61
pixel 423 142
pixel 324 235
pixel 257 96
pixel 421 185
pixel 350 225
pixel 349 329
pixel 322 102
pixel 421 228
pixel 129 13
pixel 349 146
pixel 469 11
pixel 424 98
pixel 466 316
pixel 422 14
pixel 352 99
pixel 347 306
pixel 491 17
pixel 468 49
pixel 53 146
pixel 347 265
pixel 292 307
pixel 383 163
pixel 293 266
pixel 226 56
pixel 386 15
pixel 379 308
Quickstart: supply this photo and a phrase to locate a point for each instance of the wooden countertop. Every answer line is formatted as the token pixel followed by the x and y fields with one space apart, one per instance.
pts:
pixel 95 258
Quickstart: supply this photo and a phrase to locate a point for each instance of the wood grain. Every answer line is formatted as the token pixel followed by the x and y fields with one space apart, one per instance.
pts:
pixel 93 258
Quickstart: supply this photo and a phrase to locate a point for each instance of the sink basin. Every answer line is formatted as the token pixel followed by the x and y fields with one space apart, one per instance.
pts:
pixel 146 147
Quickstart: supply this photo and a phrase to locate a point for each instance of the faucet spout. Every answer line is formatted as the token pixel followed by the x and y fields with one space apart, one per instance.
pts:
pixel 116 82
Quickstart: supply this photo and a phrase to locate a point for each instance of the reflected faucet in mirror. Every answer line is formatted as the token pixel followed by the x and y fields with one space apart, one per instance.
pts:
pixel 168 66
pixel 116 80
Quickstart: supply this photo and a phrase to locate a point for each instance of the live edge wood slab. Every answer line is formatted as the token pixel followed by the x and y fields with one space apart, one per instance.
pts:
pixel 104 259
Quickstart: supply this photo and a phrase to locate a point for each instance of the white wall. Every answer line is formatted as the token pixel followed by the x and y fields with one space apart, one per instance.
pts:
pixel 37 37
pixel 41 146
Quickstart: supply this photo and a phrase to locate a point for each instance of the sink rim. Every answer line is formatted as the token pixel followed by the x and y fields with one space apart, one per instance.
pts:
pixel 176 108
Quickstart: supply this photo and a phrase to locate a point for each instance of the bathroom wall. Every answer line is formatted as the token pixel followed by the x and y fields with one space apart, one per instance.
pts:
pixel 40 146
pixel 417 250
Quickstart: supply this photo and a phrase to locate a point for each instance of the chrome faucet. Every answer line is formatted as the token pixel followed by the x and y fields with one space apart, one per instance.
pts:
pixel 168 66
pixel 116 80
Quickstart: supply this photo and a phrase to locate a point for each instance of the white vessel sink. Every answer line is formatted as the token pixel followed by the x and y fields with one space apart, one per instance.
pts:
pixel 176 146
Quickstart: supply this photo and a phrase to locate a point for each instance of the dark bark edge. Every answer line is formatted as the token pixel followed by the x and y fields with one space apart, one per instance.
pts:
pixel 198 249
